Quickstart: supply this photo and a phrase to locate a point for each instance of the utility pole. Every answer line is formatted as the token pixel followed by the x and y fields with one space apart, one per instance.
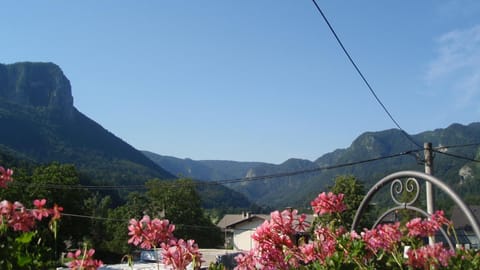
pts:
pixel 427 151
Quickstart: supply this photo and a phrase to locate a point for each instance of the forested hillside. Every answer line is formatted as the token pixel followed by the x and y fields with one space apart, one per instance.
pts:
pixel 297 190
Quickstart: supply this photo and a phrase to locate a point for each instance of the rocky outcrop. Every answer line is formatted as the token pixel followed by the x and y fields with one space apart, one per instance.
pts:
pixel 39 85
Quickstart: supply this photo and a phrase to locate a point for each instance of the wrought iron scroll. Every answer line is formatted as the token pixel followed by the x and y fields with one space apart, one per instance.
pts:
pixel 412 186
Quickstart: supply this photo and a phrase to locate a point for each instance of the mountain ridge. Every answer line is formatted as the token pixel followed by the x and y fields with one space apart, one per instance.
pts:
pixel 43 126
pixel 36 106
pixel 299 189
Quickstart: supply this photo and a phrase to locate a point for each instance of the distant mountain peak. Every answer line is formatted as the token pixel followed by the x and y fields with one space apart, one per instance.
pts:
pixel 38 85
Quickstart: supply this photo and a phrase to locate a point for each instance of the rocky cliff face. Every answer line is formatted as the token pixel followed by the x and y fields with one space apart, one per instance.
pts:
pixel 39 85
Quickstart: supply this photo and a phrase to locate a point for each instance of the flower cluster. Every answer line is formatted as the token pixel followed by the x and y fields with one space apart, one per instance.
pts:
pixel 5 176
pixel 275 240
pixel 427 227
pixel 179 254
pixel 17 230
pixel 428 257
pixel 333 247
pixel 328 203
pixel 83 260
pixel 19 218
pixel 383 237
pixel 319 250
pixel 150 233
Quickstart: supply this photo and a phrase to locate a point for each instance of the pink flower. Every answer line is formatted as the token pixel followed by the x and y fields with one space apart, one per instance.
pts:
pixel 179 254
pixel 384 236
pixel 309 253
pixel 6 208
pixel 40 211
pixel 5 176
pixel 83 261
pixel 327 203
pixel 56 212
pixel 427 227
pixel 20 218
pixel 274 241
pixel 327 241
pixel 246 261
pixel 135 231
pixel 429 257
pixel 150 233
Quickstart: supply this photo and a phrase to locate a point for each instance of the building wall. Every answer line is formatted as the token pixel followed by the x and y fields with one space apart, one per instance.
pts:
pixel 242 234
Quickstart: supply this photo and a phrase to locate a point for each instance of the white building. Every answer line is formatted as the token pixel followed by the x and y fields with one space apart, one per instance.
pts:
pixel 238 229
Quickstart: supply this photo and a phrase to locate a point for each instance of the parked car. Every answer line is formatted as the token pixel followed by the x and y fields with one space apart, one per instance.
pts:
pixel 228 260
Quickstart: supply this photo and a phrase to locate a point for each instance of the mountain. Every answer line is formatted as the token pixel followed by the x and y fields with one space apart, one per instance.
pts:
pixel 298 190
pixel 40 123
pixel 211 170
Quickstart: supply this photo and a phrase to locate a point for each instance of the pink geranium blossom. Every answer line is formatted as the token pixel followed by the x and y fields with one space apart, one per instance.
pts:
pixel 5 176
pixel 19 218
pixel 40 211
pixel 427 227
pixel 384 236
pixel 148 233
pixel 56 212
pixel 274 241
pixel 83 260
pixel 429 257
pixel 179 254
pixel 246 261
pixel 328 203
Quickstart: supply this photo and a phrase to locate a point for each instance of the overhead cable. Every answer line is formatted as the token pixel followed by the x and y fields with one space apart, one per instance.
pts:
pixel 456 156
pixel 223 182
pixel 456 146
pixel 127 220
pixel 410 138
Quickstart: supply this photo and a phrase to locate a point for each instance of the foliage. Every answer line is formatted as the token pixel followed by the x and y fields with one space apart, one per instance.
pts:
pixel 23 242
pixel 179 202
pixel 354 192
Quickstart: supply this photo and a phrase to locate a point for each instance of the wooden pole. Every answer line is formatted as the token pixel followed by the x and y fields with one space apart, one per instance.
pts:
pixel 429 188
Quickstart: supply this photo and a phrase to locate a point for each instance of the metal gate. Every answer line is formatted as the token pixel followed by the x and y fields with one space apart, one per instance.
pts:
pixel 408 181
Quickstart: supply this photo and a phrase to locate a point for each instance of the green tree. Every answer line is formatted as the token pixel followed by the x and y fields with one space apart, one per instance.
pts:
pixel 354 192
pixel 47 181
pixel 116 235
pixel 179 202
pixel 96 206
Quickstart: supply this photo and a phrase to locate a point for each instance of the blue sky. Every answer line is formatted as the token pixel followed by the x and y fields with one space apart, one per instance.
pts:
pixel 254 80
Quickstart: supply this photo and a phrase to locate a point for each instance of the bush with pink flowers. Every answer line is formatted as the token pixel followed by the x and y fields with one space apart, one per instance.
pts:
pixel 147 233
pixel 22 244
pixel 331 246
pixel 83 260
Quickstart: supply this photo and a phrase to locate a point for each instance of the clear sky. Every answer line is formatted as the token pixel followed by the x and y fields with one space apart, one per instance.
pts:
pixel 254 80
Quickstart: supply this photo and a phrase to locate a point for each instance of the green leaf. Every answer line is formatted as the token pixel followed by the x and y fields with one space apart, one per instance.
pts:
pixel 25 238
pixel 23 260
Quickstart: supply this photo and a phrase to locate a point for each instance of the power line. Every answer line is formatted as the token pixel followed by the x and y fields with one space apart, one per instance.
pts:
pixel 223 182
pixel 363 77
pixel 127 220
pixel 94 217
pixel 279 175
pixel 456 156
pixel 456 146
pixel 255 178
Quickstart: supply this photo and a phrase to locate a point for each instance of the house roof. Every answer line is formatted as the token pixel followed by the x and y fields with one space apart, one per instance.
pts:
pixel 231 220
pixel 460 220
